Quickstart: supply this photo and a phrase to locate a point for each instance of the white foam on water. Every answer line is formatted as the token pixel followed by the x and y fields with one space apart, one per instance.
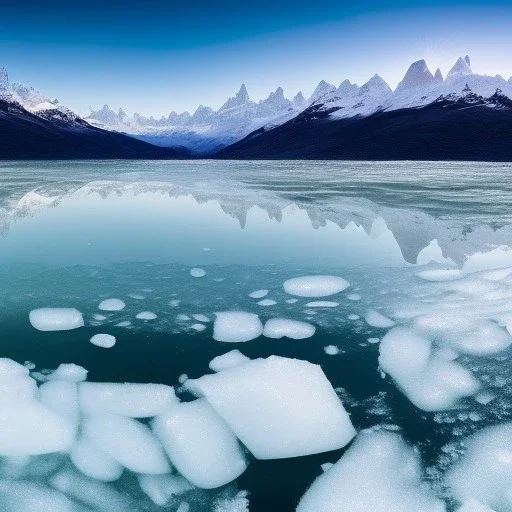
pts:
pixel 133 400
pixel 378 473
pixel 322 304
pixel 284 327
pixel 197 272
pixel 264 400
pixel 227 360
pixel 236 326
pixel 136 296
pixel 267 302
pixel 315 286
pixel 56 319
pixel 146 315
pixel 376 319
pixel 94 463
pixel 200 444
pixel 103 340
pixel 111 305
pixel 126 440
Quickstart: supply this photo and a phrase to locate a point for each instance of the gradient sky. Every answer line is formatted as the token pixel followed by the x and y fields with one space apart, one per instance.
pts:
pixel 155 56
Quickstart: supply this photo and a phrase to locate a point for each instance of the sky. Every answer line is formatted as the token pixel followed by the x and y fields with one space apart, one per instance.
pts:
pixel 156 56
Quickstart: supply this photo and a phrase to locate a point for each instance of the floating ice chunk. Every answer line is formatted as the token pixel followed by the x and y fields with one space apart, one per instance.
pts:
pixel 331 350
pixel 133 400
pixel 97 495
pixel 201 318
pixel 353 317
pixel 103 340
pixel 432 253
pixel 473 506
pixel 267 302
pixel 376 319
pixel 69 371
pixel 236 326
pixel 61 397
pixel 258 294
pixel 378 473
pixel 486 338
pixel 284 327
pixel 484 473
pixel 136 296
pixel 183 507
pixel 200 444
pixel 127 441
pixel 99 317
pixel 198 327
pixel 197 272
pixel 354 296
pixel 174 303
pixel 30 496
pixel 56 319
pixel 322 304
pixel 442 274
pixel 496 275
pixel 161 488
pixel 94 463
pixel 315 286
pixel 182 318
pixel 430 383
pixel 291 301
pixel 111 305
pixel 10 369
pixel 146 315
pixel 279 407
pixel 228 360
pixel 125 323
pixel 499 257
pixel 373 340
pixel 29 428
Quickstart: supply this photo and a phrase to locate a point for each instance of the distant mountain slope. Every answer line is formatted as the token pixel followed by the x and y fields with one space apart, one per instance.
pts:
pixel 55 134
pixel 470 128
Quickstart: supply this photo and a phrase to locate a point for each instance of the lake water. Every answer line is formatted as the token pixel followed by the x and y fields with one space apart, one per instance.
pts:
pixel 77 233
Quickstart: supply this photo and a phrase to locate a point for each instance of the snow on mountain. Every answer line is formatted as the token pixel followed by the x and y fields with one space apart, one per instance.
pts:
pixel 207 130
pixel 418 74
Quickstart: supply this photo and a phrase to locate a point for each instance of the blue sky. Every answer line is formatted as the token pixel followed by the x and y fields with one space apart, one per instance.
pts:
pixel 155 56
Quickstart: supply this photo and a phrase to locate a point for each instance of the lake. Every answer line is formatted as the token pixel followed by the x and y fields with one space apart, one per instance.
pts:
pixel 420 243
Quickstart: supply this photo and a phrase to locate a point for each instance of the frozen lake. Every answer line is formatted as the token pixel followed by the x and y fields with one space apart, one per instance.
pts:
pixel 424 249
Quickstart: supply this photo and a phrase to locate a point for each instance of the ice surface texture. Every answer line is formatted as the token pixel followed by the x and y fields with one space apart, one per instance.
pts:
pixel 56 319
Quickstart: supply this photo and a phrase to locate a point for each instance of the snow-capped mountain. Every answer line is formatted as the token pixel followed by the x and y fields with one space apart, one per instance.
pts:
pixel 33 126
pixel 206 130
pixel 421 118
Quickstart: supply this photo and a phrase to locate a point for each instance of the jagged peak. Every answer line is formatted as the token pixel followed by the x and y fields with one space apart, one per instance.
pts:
pixel 418 74
pixel 4 78
pixel 323 88
pixel 460 68
pixel 240 98
pixel 376 82
pixel 438 76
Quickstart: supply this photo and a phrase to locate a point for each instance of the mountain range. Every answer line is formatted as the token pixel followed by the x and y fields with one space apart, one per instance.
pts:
pixel 463 116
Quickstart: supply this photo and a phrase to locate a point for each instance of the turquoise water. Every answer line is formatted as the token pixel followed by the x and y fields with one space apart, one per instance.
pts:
pixel 76 233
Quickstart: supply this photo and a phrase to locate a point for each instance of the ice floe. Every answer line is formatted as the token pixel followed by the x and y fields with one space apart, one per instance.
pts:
pixel 431 383
pixel 331 350
pixel 376 319
pixel 284 327
pixel 127 441
pixel 322 304
pixel 111 305
pixel 146 315
pixel 103 340
pixel 265 400
pixel 267 302
pixel 200 444
pixel 227 360
pixel 134 400
pixel 56 319
pixel 258 294
pixel 378 473
pixel 236 326
pixel 315 286
pixel 442 274
pixel 197 272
